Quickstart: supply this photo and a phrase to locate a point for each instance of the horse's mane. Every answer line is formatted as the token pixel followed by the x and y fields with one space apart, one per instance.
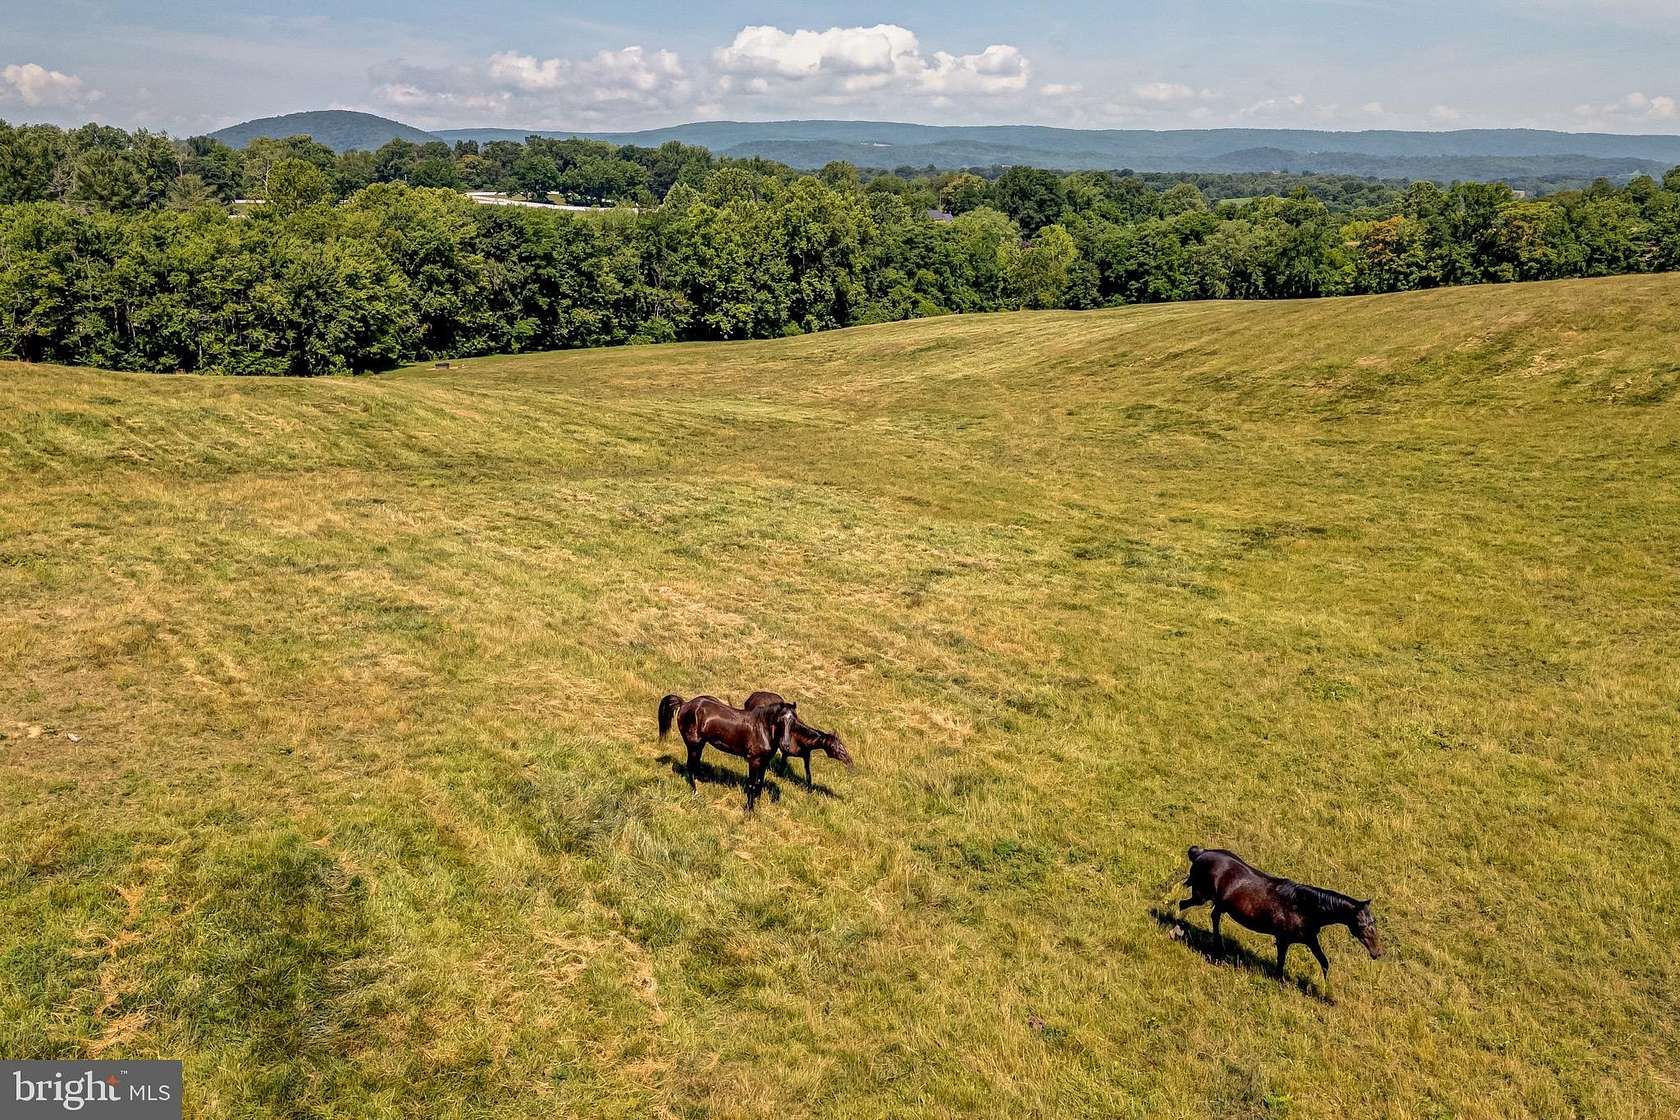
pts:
pixel 1322 898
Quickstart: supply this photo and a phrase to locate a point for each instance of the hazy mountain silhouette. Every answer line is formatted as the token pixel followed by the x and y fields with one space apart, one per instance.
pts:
pixel 1462 154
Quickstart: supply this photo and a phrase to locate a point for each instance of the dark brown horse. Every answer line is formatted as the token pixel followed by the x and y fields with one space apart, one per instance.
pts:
pixel 755 736
pixel 1289 911
pixel 805 737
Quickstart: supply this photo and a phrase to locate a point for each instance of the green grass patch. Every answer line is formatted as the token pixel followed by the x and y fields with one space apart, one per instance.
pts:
pixel 330 766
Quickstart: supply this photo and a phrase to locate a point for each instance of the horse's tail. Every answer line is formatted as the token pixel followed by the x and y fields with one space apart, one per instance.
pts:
pixel 668 706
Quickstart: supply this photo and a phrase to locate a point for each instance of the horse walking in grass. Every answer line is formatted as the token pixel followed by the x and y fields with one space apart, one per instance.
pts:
pixel 1293 913
pixel 806 738
pixel 755 736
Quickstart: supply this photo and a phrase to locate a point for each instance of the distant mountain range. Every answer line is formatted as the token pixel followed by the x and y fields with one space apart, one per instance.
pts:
pixel 1465 154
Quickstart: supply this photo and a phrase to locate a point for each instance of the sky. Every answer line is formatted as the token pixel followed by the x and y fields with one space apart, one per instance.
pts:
pixel 191 66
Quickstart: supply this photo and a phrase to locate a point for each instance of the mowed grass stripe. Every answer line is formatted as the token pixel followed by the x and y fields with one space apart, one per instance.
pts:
pixel 366 815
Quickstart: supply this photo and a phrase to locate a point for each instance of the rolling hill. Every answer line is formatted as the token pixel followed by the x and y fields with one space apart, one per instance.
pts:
pixel 1144 150
pixel 1513 154
pixel 339 129
pixel 328 713
pixel 1464 154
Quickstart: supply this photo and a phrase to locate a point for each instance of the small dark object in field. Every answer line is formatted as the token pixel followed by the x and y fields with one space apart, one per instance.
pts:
pixel 1050 1033
pixel 755 736
pixel 1291 912
pixel 805 737
pixel 440 365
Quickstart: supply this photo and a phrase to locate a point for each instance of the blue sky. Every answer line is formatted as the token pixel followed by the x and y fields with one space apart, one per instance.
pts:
pixel 192 65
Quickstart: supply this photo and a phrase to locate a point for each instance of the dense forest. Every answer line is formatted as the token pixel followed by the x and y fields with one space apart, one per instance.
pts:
pixel 130 250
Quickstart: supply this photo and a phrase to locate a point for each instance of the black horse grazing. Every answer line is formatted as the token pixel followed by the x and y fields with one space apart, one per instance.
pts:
pixel 805 737
pixel 755 736
pixel 1289 911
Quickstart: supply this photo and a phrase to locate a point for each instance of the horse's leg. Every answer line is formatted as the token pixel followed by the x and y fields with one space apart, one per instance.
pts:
pixel 807 772
pixel 694 750
pixel 1218 912
pixel 1283 953
pixel 1317 951
pixel 755 782
pixel 1193 901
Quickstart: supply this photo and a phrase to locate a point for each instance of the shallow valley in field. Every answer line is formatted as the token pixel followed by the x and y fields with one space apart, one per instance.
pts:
pixel 330 760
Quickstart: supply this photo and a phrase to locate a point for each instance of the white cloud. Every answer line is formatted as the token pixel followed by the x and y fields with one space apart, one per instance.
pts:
pixel 596 89
pixel 1168 93
pixel 1275 105
pixel 1656 108
pixel 38 87
pixel 628 72
pixel 862 51
pixel 997 69
pixel 1636 108
pixel 423 97
pixel 860 60
pixel 765 66
pixel 887 71
pixel 1163 91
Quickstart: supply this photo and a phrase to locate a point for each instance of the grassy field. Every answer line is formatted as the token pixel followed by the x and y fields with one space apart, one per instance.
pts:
pixel 330 762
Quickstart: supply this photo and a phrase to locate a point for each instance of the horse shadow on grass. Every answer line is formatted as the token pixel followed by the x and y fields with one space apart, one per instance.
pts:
pixel 1225 950
pixel 735 779
pixel 719 776
pixel 783 769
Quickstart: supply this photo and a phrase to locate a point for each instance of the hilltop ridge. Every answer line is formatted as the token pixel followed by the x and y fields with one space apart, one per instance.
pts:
pixel 1444 156
pixel 339 129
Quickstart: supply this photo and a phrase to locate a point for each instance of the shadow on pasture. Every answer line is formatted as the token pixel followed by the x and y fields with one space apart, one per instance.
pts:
pixel 720 776
pixel 783 769
pixel 1225 950
pixel 737 779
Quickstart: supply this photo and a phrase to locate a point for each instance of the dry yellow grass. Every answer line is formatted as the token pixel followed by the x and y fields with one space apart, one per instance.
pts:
pixel 365 817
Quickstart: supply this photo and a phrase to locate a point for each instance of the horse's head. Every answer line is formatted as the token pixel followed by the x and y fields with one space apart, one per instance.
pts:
pixel 829 743
pixel 780 718
pixel 1364 927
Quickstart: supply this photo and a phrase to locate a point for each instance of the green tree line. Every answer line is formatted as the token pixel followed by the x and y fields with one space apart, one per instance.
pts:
pixel 104 168
pixel 120 250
